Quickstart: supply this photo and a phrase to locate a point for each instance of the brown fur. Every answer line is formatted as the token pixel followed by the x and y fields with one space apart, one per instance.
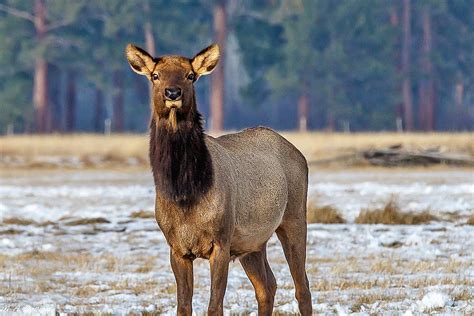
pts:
pixel 222 198
pixel 181 164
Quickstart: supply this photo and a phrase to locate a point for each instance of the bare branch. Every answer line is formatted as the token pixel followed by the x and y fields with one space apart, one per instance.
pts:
pixel 58 24
pixel 18 13
pixel 63 42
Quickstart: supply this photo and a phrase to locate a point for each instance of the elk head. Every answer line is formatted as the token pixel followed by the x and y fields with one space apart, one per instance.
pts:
pixel 172 79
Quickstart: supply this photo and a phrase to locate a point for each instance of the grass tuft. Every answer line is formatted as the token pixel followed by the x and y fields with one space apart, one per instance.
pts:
pixel 87 221
pixel 324 215
pixel 470 220
pixel 18 221
pixel 142 214
pixel 391 214
pixel 10 231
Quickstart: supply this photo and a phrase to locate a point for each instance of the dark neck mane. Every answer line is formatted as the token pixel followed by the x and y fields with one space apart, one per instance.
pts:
pixel 180 160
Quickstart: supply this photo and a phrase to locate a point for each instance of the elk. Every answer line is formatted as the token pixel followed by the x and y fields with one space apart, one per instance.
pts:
pixel 221 198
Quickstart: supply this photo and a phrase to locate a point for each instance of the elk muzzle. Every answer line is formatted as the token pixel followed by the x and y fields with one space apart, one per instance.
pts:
pixel 173 97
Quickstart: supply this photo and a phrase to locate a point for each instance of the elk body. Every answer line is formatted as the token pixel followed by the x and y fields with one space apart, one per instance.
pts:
pixel 221 198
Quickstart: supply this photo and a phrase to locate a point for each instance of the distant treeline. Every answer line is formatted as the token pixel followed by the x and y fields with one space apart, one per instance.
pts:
pixel 288 64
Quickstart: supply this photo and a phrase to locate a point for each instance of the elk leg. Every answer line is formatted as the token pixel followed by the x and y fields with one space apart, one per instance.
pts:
pixel 219 262
pixel 258 271
pixel 183 273
pixel 293 239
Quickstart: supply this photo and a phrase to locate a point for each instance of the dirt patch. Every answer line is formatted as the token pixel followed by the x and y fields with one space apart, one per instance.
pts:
pixel 391 214
pixel 324 215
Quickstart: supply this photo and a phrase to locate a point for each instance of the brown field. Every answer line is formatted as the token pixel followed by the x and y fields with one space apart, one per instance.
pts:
pixel 131 149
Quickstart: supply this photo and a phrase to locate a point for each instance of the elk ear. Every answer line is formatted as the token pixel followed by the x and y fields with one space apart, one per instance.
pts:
pixel 206 60
pixel 140 61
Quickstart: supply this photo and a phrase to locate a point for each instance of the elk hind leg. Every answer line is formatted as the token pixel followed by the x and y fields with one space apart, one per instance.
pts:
pixel 292 235
pixel 260 274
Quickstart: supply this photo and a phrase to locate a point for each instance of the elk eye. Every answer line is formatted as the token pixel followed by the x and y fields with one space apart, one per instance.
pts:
pixel 191 76
pixel 155 76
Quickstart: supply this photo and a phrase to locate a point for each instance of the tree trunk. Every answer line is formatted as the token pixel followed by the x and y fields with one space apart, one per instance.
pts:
pixel 217 78
pixel 99 106
pixel 149 42
pixel 393 14
pixel 55 103
pixel 330 121
pixel 118 116
pixel 406 85
pixel 427 88
pixel 40 84
pixel 458 96
pixel 394 22
pixel 71 101
pixel 149 38
pixel 303 112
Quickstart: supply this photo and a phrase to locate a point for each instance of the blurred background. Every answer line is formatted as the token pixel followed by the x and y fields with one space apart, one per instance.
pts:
pixel 377 94
pixel 289 64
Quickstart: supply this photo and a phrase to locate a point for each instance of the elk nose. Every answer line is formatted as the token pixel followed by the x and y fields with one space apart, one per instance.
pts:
pixel 173 93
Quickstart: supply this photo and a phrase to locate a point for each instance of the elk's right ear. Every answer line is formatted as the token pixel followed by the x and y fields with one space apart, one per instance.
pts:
pixel 140 61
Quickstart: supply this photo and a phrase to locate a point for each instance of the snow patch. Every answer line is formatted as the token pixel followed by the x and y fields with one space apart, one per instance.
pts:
pixel 434 300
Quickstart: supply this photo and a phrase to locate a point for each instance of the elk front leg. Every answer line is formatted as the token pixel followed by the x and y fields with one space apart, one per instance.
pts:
pixel 219 261
pixel 183 272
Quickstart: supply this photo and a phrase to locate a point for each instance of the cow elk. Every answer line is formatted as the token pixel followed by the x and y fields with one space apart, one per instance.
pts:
pixel 221 198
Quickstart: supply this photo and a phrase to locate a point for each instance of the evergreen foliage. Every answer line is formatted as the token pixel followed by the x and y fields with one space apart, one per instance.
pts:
pixel 343 55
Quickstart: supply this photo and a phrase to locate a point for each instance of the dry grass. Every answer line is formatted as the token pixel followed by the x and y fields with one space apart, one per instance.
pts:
pixel 18 221
pixel 324 215
pixel 38 268
pixel 142 214
pixel 373 298
pixel 394 281
pixel 118 148
pixel 80 145
pixel 321 145
pixel 147 266
pixel 25 222
pixel 463 295
pixel 391 266
pixel 470 220
pixel 40 255
pixel 27 263
pixel 87 221
pixel 391 214
pixel 10 231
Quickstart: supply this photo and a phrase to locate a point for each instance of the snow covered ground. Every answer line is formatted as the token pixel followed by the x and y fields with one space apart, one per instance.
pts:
pixel 115 260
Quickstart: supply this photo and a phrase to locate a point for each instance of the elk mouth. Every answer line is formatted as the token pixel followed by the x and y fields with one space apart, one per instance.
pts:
pixel 174 104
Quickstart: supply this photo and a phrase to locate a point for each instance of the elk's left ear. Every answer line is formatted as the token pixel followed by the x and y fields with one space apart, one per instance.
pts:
pixel 206 60
pixel 140 61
